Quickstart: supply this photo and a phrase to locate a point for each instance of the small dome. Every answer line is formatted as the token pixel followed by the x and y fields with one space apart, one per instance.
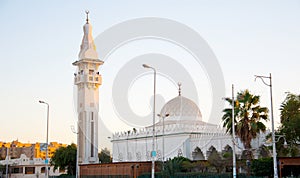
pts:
pixel 181 108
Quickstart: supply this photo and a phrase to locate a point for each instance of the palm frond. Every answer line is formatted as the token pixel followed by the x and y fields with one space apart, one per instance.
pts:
pixel 247 116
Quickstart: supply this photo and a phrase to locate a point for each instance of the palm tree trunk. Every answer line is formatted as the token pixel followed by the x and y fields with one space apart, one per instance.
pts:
pixel 249 158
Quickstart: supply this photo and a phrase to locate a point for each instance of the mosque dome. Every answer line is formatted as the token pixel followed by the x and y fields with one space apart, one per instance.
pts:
pixel 181 108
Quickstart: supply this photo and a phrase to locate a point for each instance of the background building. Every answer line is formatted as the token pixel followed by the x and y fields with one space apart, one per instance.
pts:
pixel 28 159
pixel 26 167
pixel 30 150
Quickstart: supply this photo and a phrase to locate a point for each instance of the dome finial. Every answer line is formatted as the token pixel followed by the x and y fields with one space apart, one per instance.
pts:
pixel 179 88
pixel 87 16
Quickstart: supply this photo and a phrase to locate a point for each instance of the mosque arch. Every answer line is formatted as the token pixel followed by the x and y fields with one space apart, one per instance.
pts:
pixel 148 155
pixel 129 156
pixel 138 156
pixel 159 156
pixel 197 154
pixel 227 148
pixel 120 157
pixel 211 150
pixel 227 151
pixel 214 158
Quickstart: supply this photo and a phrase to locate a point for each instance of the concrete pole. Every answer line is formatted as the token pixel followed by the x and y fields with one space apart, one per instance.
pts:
pixel 153 153
pixel 233 137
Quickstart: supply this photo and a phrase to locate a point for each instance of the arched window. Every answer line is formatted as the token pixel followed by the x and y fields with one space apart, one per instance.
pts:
pixel 129 156
pixel 148 155
pixel 138 156
pixel 120 157
pixel 197 154
pixel 43 170
pixel 159 158
pixel 211 150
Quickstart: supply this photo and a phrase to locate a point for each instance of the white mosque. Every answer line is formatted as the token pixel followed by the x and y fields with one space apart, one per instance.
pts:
pixel 180 131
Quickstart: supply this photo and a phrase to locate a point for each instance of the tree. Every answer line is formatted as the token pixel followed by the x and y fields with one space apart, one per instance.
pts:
pixel 227 155
pixel 175 165
pixel 2 169
pixel 290 121
pixel 215 160
pixel 65 158
pixel 263 152
pixel 247 115
pixel 104 156
pixel 199 166
pixel 262 167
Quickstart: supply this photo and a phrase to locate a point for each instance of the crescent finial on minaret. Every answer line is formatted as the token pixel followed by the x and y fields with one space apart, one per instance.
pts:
pixel 87 16
pixel 179 88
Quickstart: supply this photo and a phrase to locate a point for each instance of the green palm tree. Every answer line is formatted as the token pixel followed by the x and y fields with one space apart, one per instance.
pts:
pixel 248 115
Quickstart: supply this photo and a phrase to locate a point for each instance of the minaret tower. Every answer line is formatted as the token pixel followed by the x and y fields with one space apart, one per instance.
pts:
pixel 88 81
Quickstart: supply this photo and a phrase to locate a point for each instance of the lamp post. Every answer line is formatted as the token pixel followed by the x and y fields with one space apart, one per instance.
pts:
pixel 153 153
pixel 163 134
pixel 233 137
pixel 233 133
pixel 285 146
pixel 272 120
pixel 46 161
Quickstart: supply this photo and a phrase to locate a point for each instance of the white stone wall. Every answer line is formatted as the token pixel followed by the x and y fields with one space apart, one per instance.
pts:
pixel 179 139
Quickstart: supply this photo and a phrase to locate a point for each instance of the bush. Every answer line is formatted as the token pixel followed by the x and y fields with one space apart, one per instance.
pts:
pixel 262 167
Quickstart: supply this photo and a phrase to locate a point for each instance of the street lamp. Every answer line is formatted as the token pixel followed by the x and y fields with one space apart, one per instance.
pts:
pixel 46 161
pixel 233 137
pixel 278 138
pixel 233 134
pixel 284 143
pixel 272 120
pixel 153 153
pixel 163 134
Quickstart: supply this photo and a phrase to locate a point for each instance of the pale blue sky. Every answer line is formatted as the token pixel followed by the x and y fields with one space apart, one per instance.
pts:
pixel 40 40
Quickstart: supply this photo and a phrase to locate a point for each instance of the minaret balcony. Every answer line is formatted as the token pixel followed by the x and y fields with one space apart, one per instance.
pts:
pixel 95 79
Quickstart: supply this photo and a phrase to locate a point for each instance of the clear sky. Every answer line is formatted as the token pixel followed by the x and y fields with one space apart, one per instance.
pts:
pixel 41 39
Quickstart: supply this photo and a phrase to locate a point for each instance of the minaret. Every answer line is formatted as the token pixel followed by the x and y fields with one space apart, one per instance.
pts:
pixel 88 81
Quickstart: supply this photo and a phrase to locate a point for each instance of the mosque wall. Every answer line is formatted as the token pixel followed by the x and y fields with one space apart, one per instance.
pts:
pixel 138 147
